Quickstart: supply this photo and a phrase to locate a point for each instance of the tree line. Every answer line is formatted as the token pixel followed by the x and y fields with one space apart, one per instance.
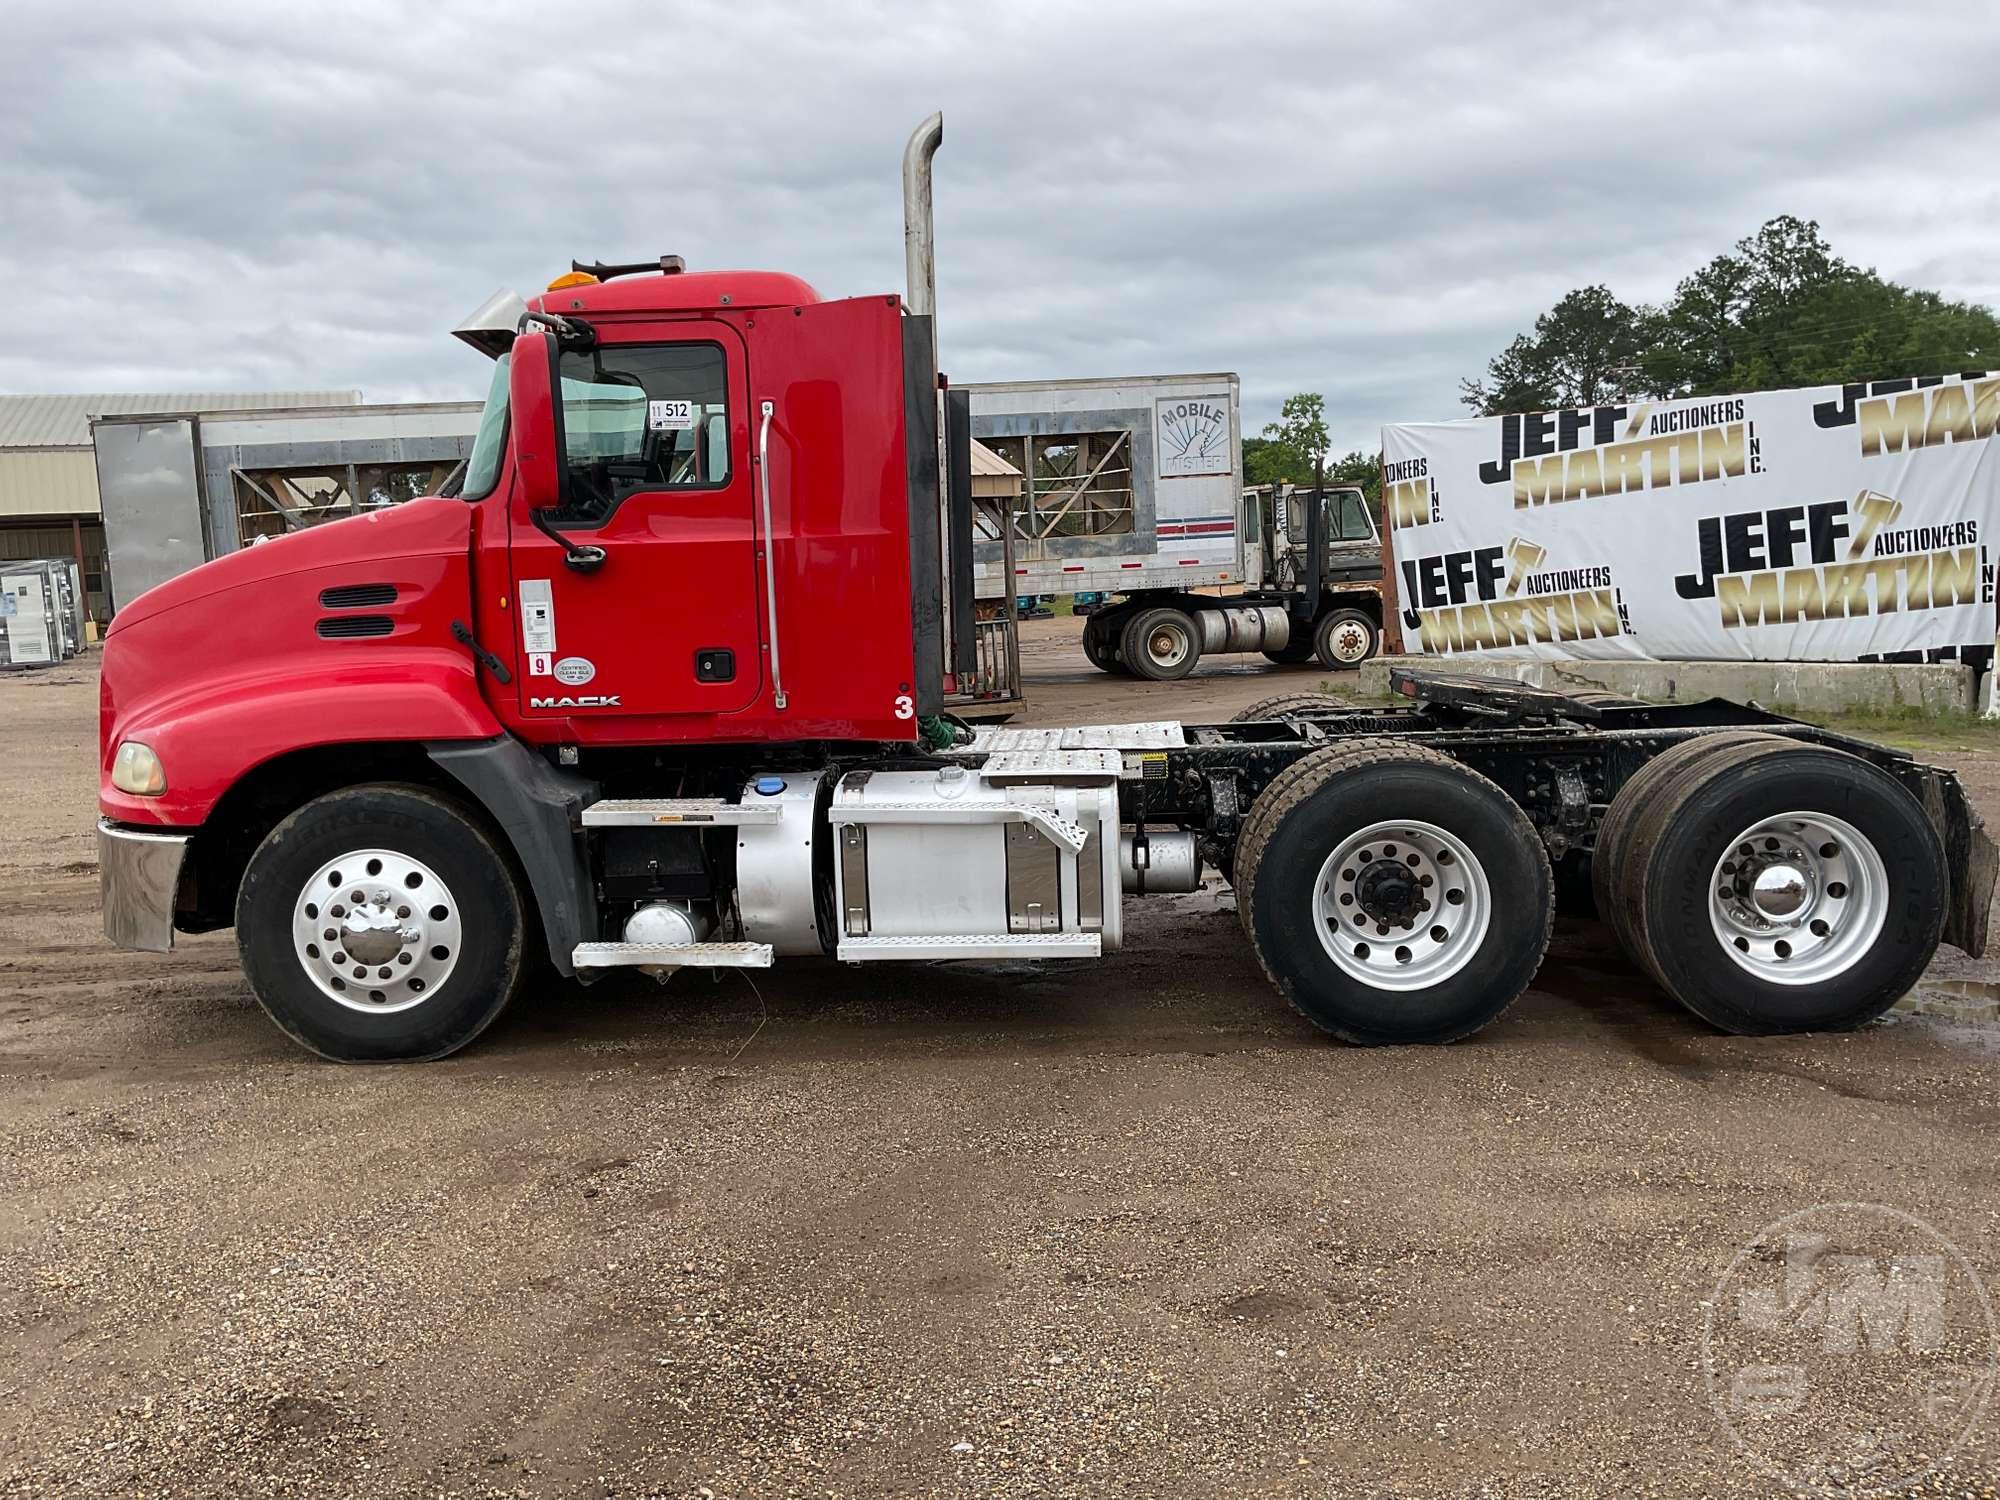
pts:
pixel 1781 309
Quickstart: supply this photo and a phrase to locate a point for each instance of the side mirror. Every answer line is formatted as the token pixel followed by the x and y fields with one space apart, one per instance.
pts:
pixel 534 403
pixel 535 409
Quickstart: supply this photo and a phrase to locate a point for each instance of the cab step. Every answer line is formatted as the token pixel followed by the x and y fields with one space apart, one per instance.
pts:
pixel 972 945
pixel 649 812
pixel 671 955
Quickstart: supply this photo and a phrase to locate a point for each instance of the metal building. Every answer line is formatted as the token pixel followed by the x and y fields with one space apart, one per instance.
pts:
pixel 180 488
pixel 49 505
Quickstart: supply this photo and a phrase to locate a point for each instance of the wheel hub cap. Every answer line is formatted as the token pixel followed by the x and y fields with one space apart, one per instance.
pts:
pixel 1778 892
pixel 376 930
pixel 1387 891
pixel 1799 898
pixel 1402 905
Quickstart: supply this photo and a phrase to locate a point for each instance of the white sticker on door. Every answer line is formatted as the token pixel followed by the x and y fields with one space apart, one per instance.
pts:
pixel 575 670
pixel 538 616
pixel 538 664
pixel 673 415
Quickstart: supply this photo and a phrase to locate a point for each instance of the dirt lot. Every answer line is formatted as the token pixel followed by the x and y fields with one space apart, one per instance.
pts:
pixel 1122 1229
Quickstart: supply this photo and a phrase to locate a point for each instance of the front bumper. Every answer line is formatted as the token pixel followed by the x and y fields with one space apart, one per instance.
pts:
pixel 138 873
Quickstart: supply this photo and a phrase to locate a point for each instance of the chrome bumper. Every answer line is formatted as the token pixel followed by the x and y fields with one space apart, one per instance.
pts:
pixel 138 873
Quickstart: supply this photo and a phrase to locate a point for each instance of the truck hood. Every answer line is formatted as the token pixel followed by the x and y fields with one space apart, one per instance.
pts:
pixel 415 528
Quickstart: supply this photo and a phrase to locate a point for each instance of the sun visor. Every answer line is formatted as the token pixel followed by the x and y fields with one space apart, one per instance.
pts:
pixel 491 328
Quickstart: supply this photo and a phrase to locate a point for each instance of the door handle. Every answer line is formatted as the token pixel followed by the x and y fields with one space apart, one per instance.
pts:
pixel 770 547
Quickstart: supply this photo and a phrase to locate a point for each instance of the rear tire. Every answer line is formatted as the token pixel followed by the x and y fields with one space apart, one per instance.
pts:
pixel 1777 887
pixel 1340 845
pixel 1344 639
pixel 422 963
pixel 1100 643
pixel 1284 703
pixel 1644 792
pixel 1161 645
pixel 1297 652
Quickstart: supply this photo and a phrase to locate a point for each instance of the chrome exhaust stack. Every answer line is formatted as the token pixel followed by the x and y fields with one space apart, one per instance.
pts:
pixel 920 263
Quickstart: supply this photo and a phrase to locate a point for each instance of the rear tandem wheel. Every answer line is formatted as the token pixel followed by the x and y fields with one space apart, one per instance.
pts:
pixel 1282 704
pixel 1772 886
pixel 1161 644
pixel 1392 894
pixel 1100 643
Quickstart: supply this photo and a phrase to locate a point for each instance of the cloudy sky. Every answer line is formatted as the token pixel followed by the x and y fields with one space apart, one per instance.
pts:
pixel 1362 199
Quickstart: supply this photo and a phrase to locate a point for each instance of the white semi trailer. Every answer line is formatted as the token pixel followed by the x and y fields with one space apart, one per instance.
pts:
pixel 1133 488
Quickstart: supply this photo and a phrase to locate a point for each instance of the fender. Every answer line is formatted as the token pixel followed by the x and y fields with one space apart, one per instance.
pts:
pixel 540 808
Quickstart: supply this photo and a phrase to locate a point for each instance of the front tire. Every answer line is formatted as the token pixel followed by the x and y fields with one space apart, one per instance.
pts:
pixel 427 926
pixel 1344 639
pixel 1392 894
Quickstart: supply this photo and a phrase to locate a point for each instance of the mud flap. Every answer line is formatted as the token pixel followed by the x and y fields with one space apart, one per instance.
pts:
pixel 1971 857
pixel 540 810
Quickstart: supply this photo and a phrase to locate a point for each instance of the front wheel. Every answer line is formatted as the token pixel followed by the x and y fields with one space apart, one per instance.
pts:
pixel 1344 639
pixel 1392 894
pixel 380 923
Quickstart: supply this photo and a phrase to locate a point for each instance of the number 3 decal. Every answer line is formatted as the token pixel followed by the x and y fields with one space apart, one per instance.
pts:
pixel 905 708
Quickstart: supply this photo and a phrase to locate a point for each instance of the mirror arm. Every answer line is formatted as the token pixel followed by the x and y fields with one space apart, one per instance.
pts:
pixel 571 333
pixel 576 555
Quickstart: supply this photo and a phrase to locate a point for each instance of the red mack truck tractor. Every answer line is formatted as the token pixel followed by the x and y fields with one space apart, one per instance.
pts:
pixel 662 687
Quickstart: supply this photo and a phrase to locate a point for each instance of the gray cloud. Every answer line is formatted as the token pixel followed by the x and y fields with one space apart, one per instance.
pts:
pixel 1367 201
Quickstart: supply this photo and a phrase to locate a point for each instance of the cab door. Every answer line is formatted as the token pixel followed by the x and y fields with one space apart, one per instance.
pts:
pixel 655 472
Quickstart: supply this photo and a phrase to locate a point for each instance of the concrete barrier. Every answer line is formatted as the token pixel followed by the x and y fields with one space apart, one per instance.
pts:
pixel 1815 687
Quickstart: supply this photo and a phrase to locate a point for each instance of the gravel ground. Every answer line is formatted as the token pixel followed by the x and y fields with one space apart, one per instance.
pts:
pixel 1118 1229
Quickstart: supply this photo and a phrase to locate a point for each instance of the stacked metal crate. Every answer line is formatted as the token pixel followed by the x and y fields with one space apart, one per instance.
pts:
pixel 41 613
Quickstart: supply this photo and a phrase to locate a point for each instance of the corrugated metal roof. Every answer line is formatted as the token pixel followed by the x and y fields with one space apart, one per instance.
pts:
pixel 986 461
pixel 64 421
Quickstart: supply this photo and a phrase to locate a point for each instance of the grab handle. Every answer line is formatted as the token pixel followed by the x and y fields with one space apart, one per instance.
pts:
pixel 770 548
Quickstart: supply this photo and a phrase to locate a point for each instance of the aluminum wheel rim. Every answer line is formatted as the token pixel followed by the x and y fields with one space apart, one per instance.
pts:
pixel 1168 645
pixel 376 931
pixel 1350 642
pixel 1402 931
pixel 1799 898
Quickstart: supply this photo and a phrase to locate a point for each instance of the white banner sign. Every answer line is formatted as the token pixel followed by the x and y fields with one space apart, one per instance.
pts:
pixel 1841 523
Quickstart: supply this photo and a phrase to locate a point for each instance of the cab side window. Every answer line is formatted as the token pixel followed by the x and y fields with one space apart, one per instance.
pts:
pixel 640 417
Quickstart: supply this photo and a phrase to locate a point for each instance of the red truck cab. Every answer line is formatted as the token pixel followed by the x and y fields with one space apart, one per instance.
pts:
pixel 698 511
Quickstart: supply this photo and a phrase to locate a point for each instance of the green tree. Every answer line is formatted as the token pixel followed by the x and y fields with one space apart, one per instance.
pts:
pixel 1584 351
pixel 1291 445
pixel 1780 309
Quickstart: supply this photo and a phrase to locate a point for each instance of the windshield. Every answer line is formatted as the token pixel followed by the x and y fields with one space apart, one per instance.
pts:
pixel 482 469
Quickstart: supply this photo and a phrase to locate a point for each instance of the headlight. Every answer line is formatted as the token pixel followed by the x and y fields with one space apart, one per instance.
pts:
pixel 136 769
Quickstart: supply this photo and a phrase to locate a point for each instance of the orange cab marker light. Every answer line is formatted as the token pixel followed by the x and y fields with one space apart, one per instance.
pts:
pixel 572 278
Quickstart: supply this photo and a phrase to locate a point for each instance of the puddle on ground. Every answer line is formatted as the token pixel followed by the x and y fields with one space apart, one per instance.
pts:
pixel 1955 1000
pixel 1961 1013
